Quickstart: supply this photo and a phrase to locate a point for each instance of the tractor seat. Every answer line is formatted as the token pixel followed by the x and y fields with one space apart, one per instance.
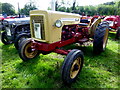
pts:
pixel 84 21
pixel 83 24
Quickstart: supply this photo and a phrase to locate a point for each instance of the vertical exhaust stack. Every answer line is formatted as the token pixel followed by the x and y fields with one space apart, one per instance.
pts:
pixel 18 10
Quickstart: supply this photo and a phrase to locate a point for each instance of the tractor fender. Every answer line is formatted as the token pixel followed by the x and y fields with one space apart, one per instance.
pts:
pixel 94 26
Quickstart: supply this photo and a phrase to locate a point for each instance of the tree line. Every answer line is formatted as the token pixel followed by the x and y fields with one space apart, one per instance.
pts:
pixel 11 10
pixel 108 8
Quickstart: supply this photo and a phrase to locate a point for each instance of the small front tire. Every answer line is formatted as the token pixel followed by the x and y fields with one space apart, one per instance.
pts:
pixel 25 51
pixel 72 66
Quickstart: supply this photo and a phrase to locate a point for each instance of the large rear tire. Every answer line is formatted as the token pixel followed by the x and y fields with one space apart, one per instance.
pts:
pixel 72 66
pixel 19 39
pixel 25 51
pixel 100 38
pixel 5 39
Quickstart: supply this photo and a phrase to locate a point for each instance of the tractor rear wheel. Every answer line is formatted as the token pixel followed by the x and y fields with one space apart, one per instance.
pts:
pixel 72 66
pixel 100 38
pixel 118 33
pixel 25 51
pixel 19 39
pixel 5 39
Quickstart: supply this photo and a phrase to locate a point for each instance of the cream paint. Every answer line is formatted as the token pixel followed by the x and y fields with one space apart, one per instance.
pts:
pixel 52 33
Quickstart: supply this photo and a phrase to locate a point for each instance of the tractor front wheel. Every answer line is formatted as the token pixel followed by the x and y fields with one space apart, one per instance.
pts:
pixel 100 38
pixel 72 66
pixel 25 51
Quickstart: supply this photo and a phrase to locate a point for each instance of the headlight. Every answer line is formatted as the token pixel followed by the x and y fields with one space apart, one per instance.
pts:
pixel 58 23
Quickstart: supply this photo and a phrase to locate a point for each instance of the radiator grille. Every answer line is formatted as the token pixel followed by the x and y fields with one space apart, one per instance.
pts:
pixel 38 19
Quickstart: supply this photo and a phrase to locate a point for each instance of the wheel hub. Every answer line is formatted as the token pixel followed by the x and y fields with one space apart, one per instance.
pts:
pixel 75 68
pixel 29 52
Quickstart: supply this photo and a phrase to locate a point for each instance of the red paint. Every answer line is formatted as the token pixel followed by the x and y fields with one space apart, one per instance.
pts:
pixel 2 18
pixel 51 47
pixel 63 52
pixel 70 34
pixel 115 20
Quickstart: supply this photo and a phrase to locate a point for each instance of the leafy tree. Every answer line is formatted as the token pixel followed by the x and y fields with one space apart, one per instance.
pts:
pixel 8 9
pixel 117 8
pixel 68 10
pixel 49 8
pixel 108 8
pixel 59 5
pixel 73 7
pixel 56 5
pixel 109 3
pixel 62 9
pixel 28 6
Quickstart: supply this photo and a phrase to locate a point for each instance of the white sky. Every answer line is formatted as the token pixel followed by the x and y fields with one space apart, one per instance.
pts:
pixel 44 4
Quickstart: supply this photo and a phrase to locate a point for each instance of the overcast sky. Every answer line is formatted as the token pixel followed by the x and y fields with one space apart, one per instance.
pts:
pixel 44 4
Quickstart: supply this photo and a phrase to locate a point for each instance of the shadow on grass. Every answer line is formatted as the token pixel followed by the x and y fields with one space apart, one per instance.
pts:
pixel 44 71
pixel 9 47
pixel 98 69
pixel 9 52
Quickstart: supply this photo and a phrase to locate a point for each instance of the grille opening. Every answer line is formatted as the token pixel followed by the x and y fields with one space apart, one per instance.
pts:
pixel 38 19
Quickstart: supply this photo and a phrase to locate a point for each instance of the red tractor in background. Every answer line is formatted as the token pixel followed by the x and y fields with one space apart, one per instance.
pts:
pixel 114 23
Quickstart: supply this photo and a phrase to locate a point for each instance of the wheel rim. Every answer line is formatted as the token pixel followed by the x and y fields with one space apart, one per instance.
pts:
pixel 75 68
pixel 28 51
pixel 105 38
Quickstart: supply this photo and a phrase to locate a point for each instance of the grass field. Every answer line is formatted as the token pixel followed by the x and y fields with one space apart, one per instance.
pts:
pixel 101 71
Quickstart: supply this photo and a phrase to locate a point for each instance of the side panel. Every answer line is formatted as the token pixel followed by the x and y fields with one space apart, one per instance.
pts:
pixel 55 32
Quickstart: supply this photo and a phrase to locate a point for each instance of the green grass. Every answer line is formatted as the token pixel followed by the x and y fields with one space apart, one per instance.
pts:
pixel 99 71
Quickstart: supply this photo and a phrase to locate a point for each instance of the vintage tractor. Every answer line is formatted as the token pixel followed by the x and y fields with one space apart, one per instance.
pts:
pixel 15 30
pixel 114 24
pixel 51 30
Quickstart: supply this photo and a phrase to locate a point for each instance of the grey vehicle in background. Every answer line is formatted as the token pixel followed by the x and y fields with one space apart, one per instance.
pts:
pixel 15 30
